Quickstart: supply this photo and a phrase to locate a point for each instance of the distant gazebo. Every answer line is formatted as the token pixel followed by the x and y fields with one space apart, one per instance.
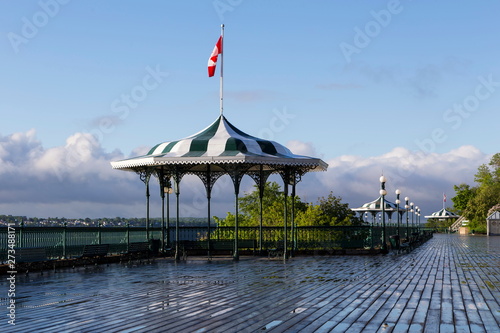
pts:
pixel 443 215
pixel 219 149
pixel 374 207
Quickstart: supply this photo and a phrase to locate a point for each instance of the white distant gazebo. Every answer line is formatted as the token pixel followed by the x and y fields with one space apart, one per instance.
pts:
pixel 443 215
pixel 374 207
pixel 220 149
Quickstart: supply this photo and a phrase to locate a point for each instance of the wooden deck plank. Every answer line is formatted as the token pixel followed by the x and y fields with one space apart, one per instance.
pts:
pixel 442 286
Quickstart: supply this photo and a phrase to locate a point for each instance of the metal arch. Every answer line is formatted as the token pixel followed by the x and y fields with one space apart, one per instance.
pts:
pixel 236 173
pixel 292 174
pixel 260 177
pixel 144 174
pixel 209 177
pixel 164 179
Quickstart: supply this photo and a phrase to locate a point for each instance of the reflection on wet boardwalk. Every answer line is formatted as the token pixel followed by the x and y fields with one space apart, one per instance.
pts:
pixel 449 284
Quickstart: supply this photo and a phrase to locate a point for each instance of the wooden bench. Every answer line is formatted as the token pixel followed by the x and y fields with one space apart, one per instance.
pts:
pixel 405 246
pixel 138 250
pixel 93 253
pixel 277 251
pixel 31 258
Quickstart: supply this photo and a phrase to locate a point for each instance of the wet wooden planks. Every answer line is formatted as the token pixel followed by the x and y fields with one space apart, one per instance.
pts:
pixel 449 284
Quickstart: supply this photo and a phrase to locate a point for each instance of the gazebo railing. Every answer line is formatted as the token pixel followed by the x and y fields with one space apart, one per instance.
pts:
pixel 67 242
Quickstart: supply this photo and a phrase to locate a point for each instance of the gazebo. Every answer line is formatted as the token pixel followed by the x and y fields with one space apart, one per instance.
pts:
pixel 379 205
pixel 219 149
pixel 442 215
pixel 374 207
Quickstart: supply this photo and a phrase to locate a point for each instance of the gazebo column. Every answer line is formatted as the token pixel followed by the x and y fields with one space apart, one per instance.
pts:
pixel 285 221
pixel 236 172
pixel 294 233
pixel 260 179
pixel 145 175
pixel 290 176
pixel 165 187
pixel 374 214
pixel 209 177
pixel 286 176
pixel 177 176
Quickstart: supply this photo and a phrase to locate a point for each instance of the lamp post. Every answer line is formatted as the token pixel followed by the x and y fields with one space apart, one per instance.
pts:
pixel 407 227
pixel 418 220
pixel 383 192
pixel 416 217
pixel 398 193
pixel 412 211
pixel 166 223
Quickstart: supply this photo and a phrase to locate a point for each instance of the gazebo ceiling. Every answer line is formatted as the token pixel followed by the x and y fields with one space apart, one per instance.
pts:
pixel 219 145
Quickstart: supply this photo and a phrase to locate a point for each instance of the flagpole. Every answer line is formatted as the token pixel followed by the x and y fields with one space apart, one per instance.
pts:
pixel 222 71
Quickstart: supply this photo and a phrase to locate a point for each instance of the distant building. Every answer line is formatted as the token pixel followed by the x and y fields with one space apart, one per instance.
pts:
pixel 493 224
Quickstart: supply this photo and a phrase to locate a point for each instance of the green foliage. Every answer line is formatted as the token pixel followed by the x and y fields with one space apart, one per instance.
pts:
pixel 464 193
pixel 330 211
pixel 334 212
pixel 474 202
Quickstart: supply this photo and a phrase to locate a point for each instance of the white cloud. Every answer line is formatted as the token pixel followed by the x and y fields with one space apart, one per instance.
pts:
pixel 422 177
pixel 76 179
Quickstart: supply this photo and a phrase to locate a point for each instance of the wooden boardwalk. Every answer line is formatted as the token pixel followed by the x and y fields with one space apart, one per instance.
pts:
pixel 449 284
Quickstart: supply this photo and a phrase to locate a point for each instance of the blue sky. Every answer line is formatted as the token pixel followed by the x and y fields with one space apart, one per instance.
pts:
pixel 367 85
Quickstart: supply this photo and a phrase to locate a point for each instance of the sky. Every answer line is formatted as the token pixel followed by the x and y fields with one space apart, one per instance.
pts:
pixel 408 89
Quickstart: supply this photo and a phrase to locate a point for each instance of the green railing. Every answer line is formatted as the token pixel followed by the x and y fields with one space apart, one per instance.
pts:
pixel 67 242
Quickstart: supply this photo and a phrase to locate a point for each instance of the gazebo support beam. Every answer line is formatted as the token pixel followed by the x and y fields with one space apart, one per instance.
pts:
pixel 236 172
pixel 209 177
pixel 145 175
pixel 260 179
pixel 177 176
pixel 294 236
pixel 165 187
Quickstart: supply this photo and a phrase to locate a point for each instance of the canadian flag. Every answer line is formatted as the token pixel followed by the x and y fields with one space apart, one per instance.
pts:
pixel 444 197
pixel 213 57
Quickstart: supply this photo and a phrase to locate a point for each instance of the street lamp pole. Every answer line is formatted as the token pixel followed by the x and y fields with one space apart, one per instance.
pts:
pixel 398 193
pixel 383 192
pixel 418 220
pixel 416 217
pixel 407 227
pixel 412 211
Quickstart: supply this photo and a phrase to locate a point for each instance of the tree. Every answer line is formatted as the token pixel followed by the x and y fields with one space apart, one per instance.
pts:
pixel 330 211
pixel 478 207
pixel 273 208
pixel 464 193
pixel 474 202
pixel 334 212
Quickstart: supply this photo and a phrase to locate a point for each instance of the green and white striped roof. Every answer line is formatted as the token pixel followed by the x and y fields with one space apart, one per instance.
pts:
pixel 376 205
pixel 219 143
pixel 442 214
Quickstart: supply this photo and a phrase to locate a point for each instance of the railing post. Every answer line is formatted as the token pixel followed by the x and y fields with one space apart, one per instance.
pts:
pixel 128 236
pixel 21 242
pixel 64 240
pixel 99 232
